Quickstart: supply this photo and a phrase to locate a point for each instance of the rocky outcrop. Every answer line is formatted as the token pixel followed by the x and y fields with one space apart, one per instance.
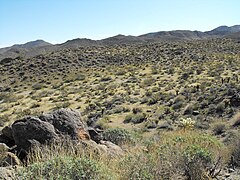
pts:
pixel 51 127
pixel 67 122
pixel 32 128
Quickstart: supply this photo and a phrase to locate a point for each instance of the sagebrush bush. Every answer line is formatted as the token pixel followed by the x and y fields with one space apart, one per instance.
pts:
pixel 196 160
pixel 63 167
pixel 118 135
pixel 174 154
pixel 135 118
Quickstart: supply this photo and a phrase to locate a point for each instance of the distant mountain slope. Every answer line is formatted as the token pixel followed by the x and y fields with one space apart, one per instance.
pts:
pixel 122 39
pixel 78 43
pixel 31 48
pixel 234 36
pixel 224 30
pixel 32 44
pixel 37 47
pixel 174 35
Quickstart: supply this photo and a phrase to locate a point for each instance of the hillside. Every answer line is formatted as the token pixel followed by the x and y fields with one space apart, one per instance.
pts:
pixel 164 109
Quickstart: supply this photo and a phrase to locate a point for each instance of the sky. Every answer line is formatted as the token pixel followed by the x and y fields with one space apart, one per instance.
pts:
pixel 57 21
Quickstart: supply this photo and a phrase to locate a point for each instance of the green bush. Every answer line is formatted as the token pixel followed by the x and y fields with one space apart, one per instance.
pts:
pixel 196 160
pixel 135 118
pixel 63 167
pixel 118 135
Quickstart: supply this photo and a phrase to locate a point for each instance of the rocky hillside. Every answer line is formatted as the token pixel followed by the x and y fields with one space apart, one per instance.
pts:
pixel 155 110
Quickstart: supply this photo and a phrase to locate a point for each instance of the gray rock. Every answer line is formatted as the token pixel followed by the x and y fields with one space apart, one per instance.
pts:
pixel 164 125
pixel 230 170
pixel 67 121
pixel 227 174
pixel 31 128
pixel 111 148
pixel 7 131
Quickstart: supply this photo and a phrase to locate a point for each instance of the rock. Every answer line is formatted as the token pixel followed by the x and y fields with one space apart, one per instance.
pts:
pixel 111 148
pixel 7 131
pixel 152 125
pixel 235 100
pixel 7 173
pixel 6 140
pixel 195 113
pixel 230 170
pixel 106 147
pixel 188 109
pixel 227 174
pixel 94 134
pixel 67 121
pixel 9 159
pixel 32 128
pixel 164 125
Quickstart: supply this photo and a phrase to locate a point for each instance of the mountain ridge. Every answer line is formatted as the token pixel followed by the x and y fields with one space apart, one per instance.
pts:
pixel 37 47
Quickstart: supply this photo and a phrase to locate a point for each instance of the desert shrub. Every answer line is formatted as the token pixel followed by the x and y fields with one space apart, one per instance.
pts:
pixel 136 110
pixel 9 97
pixel 138 166
pixel 155 89
pixel 236 120
pixel 184 76
pixel 37 86
pixel 152 101
pixel 3 119
pixel 80 77
pixel 236 152
pixel 219 128
pixel 135 118
pixel 107 78
pixel 233 143
pixel 120 72
pixel 117 110
pixel 117 135
pixel 148 82
pixel 174 154
pixel 178 105
pixel 211 109
pixel 188 109
pixel 196 160
pixel 220 107
pixel 23 112
pixel 63 167
pixel 35 105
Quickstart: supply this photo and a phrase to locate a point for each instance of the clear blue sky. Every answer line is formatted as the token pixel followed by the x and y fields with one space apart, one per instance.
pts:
pixel 56 21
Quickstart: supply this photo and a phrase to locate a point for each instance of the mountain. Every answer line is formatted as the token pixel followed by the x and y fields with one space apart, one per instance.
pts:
pixel 32 44
pixel 122 39
pixel 234 36
pixel 31 48
pixel 174 35
pixel 224 30
pixel 75 43
pixel 37 47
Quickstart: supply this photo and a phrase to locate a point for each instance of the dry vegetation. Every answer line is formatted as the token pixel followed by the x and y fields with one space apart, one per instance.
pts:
pixel 144 88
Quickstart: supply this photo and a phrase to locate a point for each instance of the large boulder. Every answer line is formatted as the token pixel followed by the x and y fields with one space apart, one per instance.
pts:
pixel 7 131
pixel 67 122
pixel 30 129
pixel 50 126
